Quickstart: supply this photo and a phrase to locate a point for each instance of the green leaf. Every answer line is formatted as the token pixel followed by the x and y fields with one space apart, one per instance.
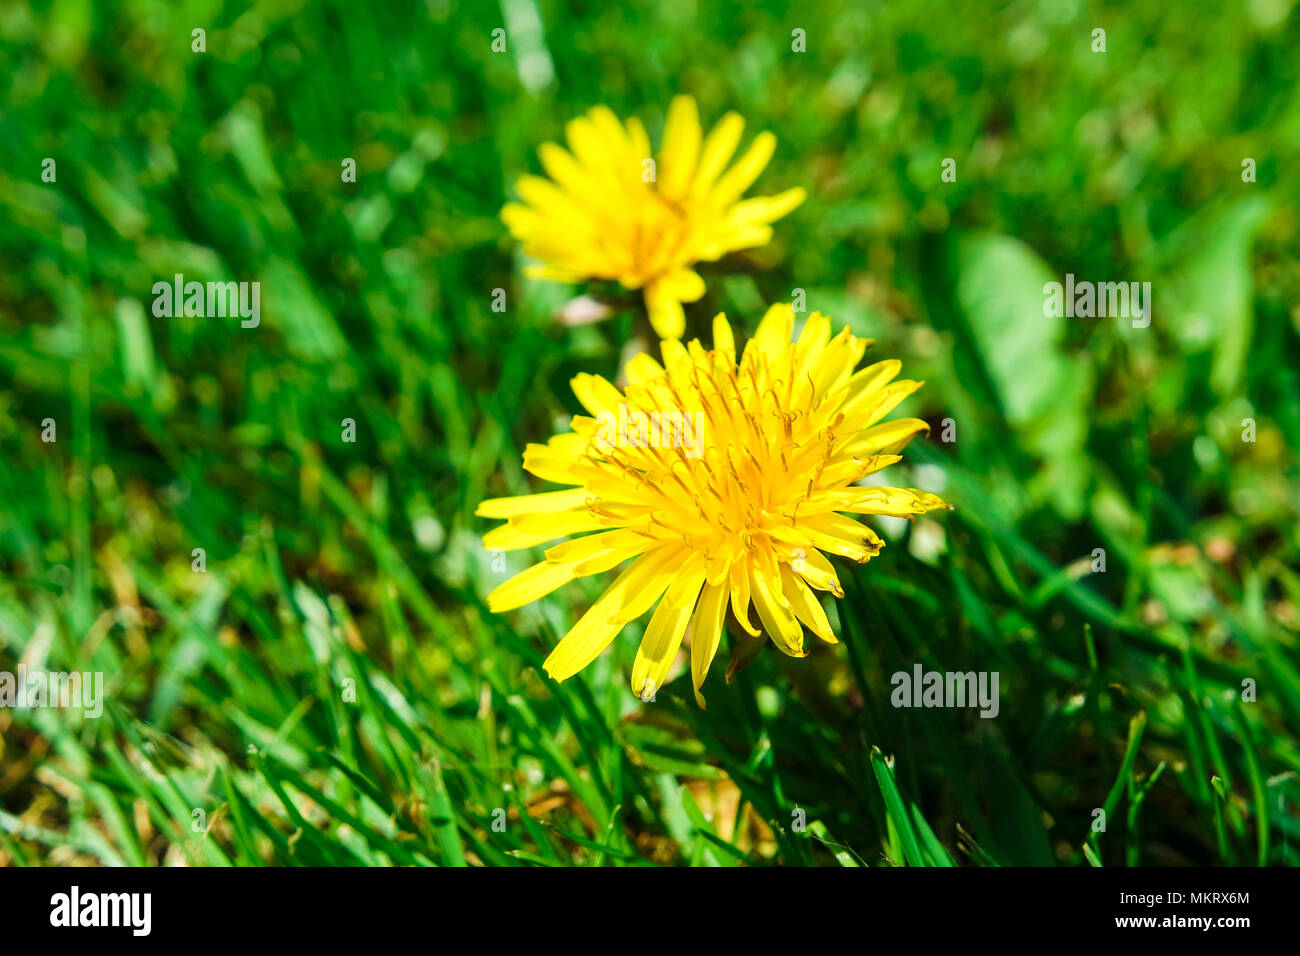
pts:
pixel 1043 396
pixel 1211 295
pixel 895 809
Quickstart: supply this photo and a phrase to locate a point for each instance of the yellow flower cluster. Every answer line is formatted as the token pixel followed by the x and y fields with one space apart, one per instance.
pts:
pixel 723 481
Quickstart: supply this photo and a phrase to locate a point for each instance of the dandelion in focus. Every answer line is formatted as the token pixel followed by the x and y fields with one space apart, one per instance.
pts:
pixel 722 484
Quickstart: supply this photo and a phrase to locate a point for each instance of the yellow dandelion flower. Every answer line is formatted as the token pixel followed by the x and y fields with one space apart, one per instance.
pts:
pixel 724 483
pixel 612 211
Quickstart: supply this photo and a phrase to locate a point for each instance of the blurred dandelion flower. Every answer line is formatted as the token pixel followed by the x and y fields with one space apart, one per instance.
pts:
pixel 723 483
pixel 610 210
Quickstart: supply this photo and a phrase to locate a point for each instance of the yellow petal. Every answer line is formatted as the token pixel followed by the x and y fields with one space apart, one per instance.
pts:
pixel 889 438
pixel 563 168
pixel 642 368
pixel 676 357
pixel 805 605
pixel 764 209
pixel 683 591
pixel 740 597
pixel 637 138
pixel 589 546
pixel 595 553
pixel 871 407
pixel 719 146
pixel 706 633
pixel 742 175
pixel 645 579
pixel 681 147
pixel 614 136
pixel 723 340
pixel 871 378
pixel 666 315
pixel 596 393
pixel 812 566
pixel 545 503
pixel 877 500
pixel 539 580
pixel 773 336
pixel 685 284
pixel 587 145
pixel 528 531
pixel 663 637
pixel 779 621
pixel 557 460
pixel 838 535
pixel 546 198
pixel 638 601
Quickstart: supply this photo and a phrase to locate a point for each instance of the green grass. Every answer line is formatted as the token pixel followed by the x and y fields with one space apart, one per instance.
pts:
pixel 333 690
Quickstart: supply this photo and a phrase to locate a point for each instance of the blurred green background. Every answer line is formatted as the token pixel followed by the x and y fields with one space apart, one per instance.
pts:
pixel 333 690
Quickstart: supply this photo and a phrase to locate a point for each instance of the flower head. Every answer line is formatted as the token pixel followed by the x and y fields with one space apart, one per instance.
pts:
pixel 724 483
pixel 612 211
